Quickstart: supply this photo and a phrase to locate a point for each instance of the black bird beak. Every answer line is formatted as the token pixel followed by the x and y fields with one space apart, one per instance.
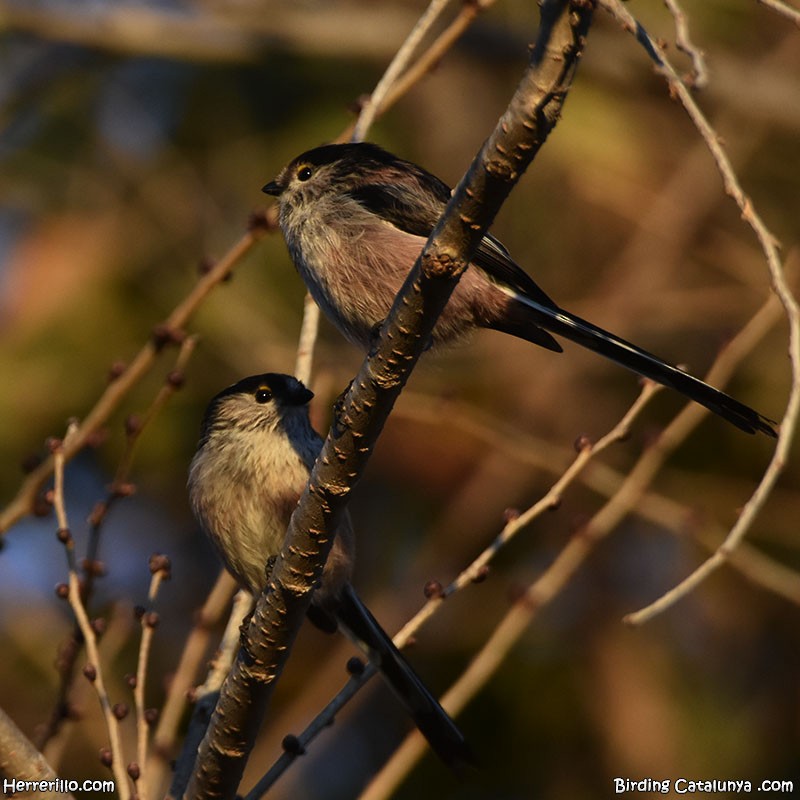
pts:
pixel 273 188
pixel 302 396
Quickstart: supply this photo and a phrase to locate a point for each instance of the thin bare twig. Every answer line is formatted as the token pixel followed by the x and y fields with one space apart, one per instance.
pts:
pixel 477 568
pixel 221 665
pixel 398 65
pixel 93 669
pixel 193 656
pixel 307 340
pixel 492 654
pixel 160 571
pixel 783 9
pixel 92 567
pixel 144 360
pixel 467 577
pixel 769 247
pixel 206 696
pixel 434 54
pixel 699 77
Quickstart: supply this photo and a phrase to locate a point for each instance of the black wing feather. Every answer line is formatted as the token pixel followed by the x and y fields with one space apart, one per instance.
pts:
pixel 432 720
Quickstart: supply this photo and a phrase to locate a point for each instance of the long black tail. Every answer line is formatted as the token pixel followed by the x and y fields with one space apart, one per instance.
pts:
pixel 432 720
pixel 527 313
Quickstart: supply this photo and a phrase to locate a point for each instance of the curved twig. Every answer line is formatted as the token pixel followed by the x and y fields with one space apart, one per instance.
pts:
pixel 769 246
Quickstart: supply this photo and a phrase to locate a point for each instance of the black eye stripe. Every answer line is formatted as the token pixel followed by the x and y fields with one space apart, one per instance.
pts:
pixel 305 173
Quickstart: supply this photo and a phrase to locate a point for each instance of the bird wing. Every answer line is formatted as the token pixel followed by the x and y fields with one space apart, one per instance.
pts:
pixel 532 314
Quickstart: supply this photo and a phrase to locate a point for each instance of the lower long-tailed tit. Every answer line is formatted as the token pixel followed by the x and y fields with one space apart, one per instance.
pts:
pixel 252 464
pixel 356 217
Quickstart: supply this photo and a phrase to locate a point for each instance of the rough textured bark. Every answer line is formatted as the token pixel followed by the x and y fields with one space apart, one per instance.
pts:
pixel 362 411
pixel 21 761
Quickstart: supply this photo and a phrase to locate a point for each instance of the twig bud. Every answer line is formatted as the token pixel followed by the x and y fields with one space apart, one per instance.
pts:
pixel 133 424
pixel 43 503
pixel 160 563
pixel 93 567
pixel 583 442
pixel 97 513
pixel 482 574
pixel 291 744
pixel 261 221
pixel 116 370
pixel 205 265
pixel 354 666
pixel 176 379
pixel 164 335
pixel 433 588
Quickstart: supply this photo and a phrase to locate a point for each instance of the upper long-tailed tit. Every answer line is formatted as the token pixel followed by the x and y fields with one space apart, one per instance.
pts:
pixel 356 217
pixel 252 464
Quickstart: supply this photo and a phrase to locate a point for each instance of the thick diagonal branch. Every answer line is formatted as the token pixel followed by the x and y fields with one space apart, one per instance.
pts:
pixel 363 410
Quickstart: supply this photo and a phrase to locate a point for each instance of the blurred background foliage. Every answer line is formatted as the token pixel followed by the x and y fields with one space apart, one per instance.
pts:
pixel 135 139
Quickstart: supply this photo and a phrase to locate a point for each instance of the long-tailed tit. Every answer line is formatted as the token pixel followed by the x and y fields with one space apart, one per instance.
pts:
pixel 356 217
pixel 256 450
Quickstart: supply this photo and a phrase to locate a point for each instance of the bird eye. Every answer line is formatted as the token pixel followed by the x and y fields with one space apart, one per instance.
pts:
pixel 263 395
pixel 305 173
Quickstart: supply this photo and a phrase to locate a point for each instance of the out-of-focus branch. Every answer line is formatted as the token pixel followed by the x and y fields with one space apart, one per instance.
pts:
pixel 470 575
pixel 117 390
pixel 783 9
pixel 307 340
pixel 699 78
pixel 363 410
pixel 207 695
pixel 397 66
pixel 92 567
pixel 93 670
pixel 769 246
pixel 605 480
pixel 193 656
pixel 236 33
pixel 446 39
pixel 511 628
pixel 625 494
